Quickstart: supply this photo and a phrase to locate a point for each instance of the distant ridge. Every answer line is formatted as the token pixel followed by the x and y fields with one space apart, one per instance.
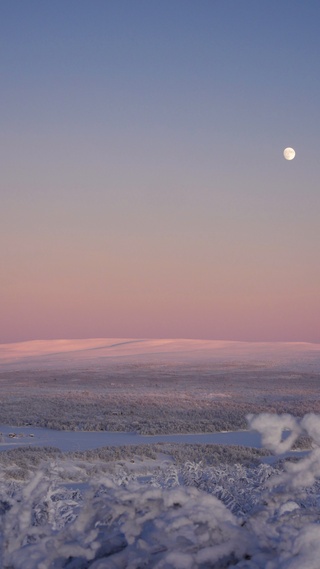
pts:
pixel 43 353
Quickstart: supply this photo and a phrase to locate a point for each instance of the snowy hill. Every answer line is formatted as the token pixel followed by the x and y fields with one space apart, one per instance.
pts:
pixel 48 353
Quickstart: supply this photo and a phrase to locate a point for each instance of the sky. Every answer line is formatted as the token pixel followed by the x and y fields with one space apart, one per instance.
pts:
pixel 144 192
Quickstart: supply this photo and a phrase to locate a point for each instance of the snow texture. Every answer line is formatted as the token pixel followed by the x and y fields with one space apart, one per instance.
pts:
pixel 192 516
pixel 129 509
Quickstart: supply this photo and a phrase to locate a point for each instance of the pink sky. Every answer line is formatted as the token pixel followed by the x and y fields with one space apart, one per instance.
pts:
pixel 154 289
pixel 76 272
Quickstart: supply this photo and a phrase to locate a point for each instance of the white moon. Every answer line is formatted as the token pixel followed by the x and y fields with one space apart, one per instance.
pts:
pixel 289 153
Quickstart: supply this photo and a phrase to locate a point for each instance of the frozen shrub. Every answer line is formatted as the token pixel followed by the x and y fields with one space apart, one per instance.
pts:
pixel 189 514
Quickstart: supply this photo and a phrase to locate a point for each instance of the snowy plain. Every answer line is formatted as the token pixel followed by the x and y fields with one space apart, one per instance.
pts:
pixel 159 504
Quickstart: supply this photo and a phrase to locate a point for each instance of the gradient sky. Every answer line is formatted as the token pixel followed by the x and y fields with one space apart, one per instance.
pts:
pixel 143 188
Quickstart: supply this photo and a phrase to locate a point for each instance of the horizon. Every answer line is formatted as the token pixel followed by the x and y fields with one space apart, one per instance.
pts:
pixel 125 339
pixel 144 346
pixel 155 339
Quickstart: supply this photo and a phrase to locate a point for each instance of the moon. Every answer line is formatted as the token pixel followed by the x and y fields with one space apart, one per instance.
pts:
pixel 289 153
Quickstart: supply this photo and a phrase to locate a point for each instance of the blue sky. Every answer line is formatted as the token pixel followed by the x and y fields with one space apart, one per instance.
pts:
pixel 142 170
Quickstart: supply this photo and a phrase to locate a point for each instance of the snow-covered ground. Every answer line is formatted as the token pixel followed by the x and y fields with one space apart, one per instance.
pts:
pixel 154 386
pixel 159 505
pixel 89 511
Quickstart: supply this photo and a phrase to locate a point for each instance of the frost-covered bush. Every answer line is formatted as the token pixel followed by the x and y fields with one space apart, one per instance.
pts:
pixel 239 487
pixel 185 516
pixel 121 527
pixel 19 463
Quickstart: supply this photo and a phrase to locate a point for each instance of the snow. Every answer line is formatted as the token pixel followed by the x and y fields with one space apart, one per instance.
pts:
pixel 53 352
pixel 154 387
pixel 105 510
pixel 273 428
pixel 190 516
pixel 13 436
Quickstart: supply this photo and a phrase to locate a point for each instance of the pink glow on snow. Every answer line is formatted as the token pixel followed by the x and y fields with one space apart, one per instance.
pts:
pixel 98 351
